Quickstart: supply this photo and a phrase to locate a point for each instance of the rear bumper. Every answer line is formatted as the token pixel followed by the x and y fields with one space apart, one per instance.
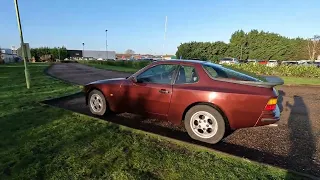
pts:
pixel 268 117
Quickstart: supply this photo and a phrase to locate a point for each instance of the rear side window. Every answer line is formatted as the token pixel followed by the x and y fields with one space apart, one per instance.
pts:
pixel 220 72
pixel 187 75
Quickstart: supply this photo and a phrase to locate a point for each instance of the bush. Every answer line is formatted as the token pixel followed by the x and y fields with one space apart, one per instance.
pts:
pixel 282 70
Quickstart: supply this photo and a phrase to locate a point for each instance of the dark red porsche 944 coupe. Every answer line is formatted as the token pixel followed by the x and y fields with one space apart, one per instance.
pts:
pixel 208 98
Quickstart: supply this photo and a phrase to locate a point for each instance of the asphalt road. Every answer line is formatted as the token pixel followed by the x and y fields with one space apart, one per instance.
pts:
pixel 81 74
pixel 294 143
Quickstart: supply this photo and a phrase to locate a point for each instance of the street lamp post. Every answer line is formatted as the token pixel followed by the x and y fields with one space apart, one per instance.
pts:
pixel 26 72
pixel 82 50
pixel 107 43
pixel 59 52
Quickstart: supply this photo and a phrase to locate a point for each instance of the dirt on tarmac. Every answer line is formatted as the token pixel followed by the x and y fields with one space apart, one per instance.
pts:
pixel 293 143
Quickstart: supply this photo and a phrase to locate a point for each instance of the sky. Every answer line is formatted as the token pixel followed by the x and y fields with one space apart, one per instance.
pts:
pixel 139 25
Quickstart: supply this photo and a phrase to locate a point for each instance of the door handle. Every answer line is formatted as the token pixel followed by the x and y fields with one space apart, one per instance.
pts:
pixel 164 91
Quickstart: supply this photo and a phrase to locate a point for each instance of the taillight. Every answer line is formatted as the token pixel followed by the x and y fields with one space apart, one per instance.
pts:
pixel 271 105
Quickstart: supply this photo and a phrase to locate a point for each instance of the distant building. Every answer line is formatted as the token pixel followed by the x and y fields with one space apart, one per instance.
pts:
pixel 168 57
pixel 90 54
pixel 124 56
pixel 99 54
pixel 9 56
pixel 74 54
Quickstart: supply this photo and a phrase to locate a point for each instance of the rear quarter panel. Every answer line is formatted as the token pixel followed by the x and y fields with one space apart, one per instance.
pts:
pixel 241 107
pixel 241 104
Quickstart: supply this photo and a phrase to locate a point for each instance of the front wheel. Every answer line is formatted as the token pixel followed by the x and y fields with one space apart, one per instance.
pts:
pixel 97 103
pixel 204 123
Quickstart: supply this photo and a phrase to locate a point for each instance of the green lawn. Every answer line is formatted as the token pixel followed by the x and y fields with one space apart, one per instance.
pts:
pixel 301 81
pixel 287 80
pixel 42 142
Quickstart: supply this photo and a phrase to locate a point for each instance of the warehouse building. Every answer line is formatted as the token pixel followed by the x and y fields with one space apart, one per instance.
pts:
pixel 90 54
pixel 99 54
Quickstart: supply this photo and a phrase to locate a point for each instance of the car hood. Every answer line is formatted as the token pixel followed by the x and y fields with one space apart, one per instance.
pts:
pixel 108 81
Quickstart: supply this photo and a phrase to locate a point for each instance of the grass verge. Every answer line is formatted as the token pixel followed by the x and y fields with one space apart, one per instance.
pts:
pixel 301 81
pixel 42 142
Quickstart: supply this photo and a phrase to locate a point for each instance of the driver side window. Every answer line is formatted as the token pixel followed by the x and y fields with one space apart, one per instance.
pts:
pixel 159 74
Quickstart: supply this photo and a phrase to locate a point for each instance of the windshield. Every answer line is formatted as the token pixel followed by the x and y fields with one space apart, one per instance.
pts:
pixel 220 72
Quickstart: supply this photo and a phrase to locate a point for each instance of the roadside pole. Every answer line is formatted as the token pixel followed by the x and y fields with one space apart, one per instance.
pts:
pixel 59 52
pixel 26 72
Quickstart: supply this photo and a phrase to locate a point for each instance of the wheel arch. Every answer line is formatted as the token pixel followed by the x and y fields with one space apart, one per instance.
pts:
pixel 95 88
pixel 225 118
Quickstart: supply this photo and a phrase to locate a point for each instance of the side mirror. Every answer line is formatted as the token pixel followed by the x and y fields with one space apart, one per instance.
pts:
pixel 134 79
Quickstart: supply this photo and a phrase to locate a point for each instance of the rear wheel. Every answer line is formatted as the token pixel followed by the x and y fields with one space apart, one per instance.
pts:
pixel 204 123
pixel 97 103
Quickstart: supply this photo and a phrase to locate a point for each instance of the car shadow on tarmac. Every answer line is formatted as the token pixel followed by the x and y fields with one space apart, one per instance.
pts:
pixel 76 103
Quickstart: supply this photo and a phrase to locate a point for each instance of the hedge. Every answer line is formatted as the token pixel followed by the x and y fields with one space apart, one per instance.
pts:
pixel 282 70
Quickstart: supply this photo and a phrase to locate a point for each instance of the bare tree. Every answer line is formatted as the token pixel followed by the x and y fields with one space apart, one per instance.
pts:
pixel 312 46
pixel 129 51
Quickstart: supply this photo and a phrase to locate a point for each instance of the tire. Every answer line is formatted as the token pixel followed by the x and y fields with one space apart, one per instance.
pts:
pixel 204 123
pixel 97 103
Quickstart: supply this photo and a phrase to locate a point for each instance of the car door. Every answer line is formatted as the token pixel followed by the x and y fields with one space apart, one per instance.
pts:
pixel 152 91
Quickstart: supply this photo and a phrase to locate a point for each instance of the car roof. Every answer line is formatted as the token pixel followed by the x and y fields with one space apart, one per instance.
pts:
pixel 183 61
pixel 186 62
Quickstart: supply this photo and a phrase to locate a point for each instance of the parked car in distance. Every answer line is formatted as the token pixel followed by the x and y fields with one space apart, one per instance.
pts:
pixel 272 63
pixel 263 62
pixel 229 61
pixel 306 63
pixel 207 98
pixel 289 63
pixel 243 61
pixel 317 63
pixel 254 61
pixel 151 60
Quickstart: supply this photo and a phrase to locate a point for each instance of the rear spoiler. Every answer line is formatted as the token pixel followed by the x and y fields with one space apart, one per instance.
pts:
pixel 271 81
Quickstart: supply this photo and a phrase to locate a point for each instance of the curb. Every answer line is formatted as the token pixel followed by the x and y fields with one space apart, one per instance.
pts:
pixel 70 96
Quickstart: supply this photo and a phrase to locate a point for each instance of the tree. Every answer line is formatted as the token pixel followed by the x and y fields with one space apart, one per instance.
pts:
pixel 44 52
pixel 313 46
pixel 129 51
pixel 253 45
pixel 202 50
